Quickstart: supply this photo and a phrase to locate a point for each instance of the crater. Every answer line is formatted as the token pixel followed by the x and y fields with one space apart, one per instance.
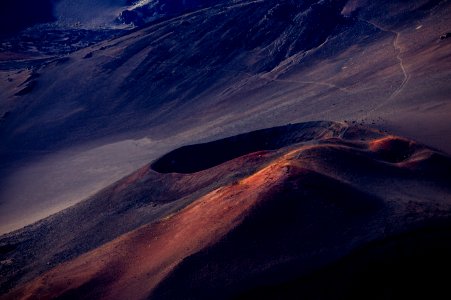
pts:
pixel 393 149
pixel 195 158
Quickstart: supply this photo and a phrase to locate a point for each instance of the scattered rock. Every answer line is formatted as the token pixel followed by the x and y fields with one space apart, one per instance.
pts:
pixel 88 55
pixel 29 86
pixel 62 60
pixel 3 117
pixel 6 262
pixel 445 35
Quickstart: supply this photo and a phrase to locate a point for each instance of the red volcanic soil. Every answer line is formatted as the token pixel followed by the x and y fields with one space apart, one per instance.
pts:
pixel 138 199
pixel 132 265
pixel 87 118
pixel 351 202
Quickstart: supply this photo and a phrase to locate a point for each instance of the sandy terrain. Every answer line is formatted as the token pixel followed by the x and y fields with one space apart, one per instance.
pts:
pixel 142 197
pixel 221 198
pixel 385 66
pixel 322 194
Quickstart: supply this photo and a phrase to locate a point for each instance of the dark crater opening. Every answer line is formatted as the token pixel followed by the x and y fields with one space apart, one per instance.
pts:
pixel 396 150
pixel 195 158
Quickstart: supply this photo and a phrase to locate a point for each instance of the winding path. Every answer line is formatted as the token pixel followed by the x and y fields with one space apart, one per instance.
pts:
pixel 398 57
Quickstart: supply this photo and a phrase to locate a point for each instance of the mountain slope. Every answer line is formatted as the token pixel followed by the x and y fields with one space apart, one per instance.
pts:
pixel 216 72
pixel 325 194
pixel 142 197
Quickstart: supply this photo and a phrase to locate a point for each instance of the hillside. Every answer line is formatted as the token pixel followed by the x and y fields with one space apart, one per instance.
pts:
pixel 310 200
pixel 212 73
pixel 225 149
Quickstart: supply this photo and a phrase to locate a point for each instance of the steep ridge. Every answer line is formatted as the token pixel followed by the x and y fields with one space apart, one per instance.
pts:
pixel 195 158
pixel 142 12
pixel 161 66
pixel 293 217
pixel 216 72
pixel 22 14
pixel 142 197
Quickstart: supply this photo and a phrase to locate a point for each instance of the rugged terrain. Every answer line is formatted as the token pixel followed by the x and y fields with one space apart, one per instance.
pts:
pixel 219 71
pixel 91 110
pixel 261 214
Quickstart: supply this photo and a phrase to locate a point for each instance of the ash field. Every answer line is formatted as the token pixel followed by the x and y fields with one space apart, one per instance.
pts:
pixel 213 149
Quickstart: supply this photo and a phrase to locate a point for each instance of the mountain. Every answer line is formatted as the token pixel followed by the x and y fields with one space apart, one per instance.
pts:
pixel 88 13
pixel 286 210
pixel 123 142
pixel 17 15
pixel 144 12
pixel 212 73
pixel 22 14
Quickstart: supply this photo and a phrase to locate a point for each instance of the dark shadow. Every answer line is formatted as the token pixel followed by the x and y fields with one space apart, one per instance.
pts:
pixel 16 15
pixel 194 158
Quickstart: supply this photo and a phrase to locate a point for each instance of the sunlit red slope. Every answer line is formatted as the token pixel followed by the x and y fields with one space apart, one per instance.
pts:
pixel 314 206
